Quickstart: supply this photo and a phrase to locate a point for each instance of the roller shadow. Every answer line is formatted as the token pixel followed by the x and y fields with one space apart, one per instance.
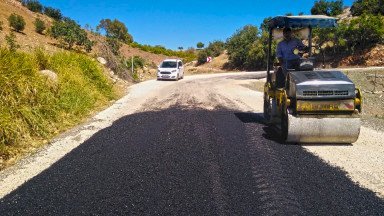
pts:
pixel 270 132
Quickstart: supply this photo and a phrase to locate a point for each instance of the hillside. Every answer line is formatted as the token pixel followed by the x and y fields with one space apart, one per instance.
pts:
pixel 34 106
pixel 370 57
pixel 29 39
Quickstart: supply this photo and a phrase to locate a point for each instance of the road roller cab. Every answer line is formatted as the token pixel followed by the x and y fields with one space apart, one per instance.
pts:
pixel 309 105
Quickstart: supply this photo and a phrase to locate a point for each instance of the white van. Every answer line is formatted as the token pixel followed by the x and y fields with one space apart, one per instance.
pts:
pixel 172 69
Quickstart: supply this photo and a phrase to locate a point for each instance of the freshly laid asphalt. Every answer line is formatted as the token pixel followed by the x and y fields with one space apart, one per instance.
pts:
pixel 183 161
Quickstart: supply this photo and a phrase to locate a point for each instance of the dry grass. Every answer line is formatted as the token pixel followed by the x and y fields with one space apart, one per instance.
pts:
pixel 34 108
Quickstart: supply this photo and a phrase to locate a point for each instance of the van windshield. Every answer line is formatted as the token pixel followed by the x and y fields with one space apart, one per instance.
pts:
pixel 168 64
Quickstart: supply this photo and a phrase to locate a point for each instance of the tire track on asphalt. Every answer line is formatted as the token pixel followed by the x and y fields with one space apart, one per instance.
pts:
pixel 277 195
pixel 203 130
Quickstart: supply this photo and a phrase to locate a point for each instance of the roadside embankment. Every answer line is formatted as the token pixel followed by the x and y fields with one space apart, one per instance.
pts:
pixel 35 106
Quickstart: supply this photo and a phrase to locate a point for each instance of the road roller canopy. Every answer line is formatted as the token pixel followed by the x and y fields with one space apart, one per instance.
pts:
pixel 319 21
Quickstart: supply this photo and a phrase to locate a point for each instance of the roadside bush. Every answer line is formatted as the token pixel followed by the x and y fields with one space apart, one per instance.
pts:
pixel 239 46
pixel 202 56
pixel 16 22
pixel 138 63
pixel 257 54
pixel 33 5
pixel 53 13
pixel 39 26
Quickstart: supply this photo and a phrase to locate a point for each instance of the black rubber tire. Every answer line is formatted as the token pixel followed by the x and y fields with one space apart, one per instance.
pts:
pixel 267 109
pixel 284 125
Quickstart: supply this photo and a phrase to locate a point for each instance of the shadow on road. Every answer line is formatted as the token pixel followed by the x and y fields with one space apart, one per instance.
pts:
pixel 270 132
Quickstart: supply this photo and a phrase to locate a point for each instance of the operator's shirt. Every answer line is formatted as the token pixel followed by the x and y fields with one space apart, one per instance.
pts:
pixel 285 50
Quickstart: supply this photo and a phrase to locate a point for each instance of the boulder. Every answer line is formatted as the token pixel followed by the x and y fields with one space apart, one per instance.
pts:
pixel 50 74
pixel 102 60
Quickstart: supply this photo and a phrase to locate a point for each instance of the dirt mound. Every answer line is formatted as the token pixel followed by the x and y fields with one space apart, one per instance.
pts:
pixel 216 65
pixel 372 57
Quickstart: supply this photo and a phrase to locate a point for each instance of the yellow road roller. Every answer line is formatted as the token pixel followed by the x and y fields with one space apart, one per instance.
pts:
pixel 306 104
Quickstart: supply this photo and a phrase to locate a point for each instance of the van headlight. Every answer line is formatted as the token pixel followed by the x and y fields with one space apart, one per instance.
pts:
pixel 173 71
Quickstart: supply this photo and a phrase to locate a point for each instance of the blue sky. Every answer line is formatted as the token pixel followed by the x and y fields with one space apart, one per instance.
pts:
pixel 179 23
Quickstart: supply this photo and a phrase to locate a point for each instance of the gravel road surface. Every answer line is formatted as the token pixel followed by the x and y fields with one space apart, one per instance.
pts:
pixel 193 147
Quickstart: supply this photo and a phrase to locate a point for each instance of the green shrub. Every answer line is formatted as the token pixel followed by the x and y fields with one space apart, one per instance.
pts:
pixel 33 5
pixel 41 58
pixel 138 62
pixel 202 56
pixel 53 13
pixel 216 48
pixel 114 45
pixel 257 54
pixel 11 42
pixel 361 33
pixel 39 26
pixel 17 22
pixel 374 7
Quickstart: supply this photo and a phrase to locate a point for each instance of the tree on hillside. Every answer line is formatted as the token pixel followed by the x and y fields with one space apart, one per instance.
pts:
pixel 329 8
pixel 335 7
pixel 33 5
pixel 200 45
pixel 115 29
pixel 53 13
pixel 239 46
pixel 215 48
pixel 180 48
pixel 17 22
pixel 374 7
pixel 70 33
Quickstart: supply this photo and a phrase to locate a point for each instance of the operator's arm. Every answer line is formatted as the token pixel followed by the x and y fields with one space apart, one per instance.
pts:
pixel 301 46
